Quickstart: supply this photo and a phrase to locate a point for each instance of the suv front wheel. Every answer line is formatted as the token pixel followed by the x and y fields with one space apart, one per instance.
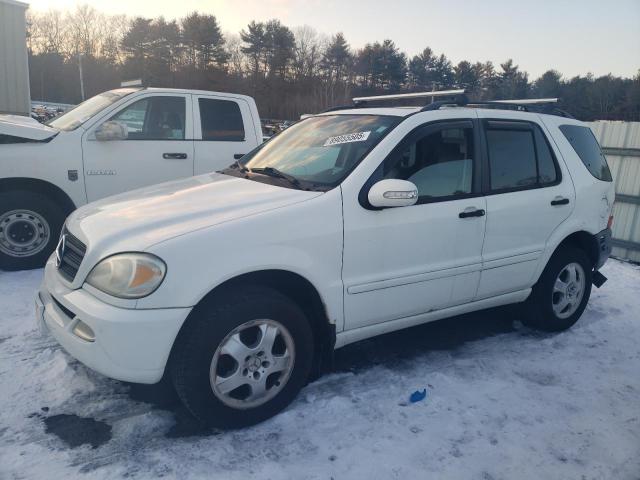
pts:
pixel 242 357
pixel 562 292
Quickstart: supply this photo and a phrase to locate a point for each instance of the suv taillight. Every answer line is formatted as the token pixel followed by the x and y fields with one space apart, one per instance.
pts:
pixel 610 222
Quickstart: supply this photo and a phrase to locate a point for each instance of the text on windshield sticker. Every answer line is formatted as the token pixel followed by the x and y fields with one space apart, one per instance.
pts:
pixel 348 138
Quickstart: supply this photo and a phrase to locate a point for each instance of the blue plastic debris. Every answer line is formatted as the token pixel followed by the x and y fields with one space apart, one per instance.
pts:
pixel 418 396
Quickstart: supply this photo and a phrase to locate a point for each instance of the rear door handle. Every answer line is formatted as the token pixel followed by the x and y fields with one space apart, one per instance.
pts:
pixel 472 212
pixel 238 156
pixel 174 156
pixel 560 201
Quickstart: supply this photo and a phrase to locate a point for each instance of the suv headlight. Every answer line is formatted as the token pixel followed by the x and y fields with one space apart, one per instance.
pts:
pixel 128 275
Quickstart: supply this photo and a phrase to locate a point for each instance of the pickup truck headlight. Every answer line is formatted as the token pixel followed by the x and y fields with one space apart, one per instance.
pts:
pixel 128 275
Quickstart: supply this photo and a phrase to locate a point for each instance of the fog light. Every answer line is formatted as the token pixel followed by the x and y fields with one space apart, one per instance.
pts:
pixel 84 331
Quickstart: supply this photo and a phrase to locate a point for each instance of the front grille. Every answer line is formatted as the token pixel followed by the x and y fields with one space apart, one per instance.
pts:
pixel 71 256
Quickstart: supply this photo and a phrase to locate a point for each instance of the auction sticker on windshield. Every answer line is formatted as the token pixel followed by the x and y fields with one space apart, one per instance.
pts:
pixel 348 138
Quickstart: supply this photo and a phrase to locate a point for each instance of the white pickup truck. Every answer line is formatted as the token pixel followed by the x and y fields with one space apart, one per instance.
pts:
pixel 114 142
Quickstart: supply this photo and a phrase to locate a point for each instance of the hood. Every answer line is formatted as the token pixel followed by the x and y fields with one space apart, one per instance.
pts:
pixel 138 219
pixel 25 127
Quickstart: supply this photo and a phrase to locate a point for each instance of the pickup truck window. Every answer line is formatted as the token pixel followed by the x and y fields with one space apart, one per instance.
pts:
pixel 319 151
pixel 154 118
pixel 221 120
pixel 87 109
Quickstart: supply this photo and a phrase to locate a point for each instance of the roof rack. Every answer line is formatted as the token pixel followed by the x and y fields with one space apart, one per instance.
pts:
pixel 536 105
pixel 458 98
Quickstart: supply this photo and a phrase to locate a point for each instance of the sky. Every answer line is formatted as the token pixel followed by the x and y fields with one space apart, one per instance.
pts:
pixel 572 36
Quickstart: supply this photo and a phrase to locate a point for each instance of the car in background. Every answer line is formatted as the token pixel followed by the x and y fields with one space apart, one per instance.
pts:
pixel 114 142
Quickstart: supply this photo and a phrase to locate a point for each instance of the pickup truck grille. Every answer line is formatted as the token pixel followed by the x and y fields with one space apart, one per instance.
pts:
pixel 69 255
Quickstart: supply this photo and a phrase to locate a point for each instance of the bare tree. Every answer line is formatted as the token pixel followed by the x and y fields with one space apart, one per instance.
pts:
pixel 238 62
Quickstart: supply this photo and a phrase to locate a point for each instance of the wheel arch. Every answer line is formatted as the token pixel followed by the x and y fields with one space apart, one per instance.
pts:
pixel 580 239
pixel 584 241
pixel 41 187
pixel 301 291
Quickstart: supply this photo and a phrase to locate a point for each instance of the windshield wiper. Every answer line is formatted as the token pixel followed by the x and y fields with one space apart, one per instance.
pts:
pixel 274 172
pixel 240 166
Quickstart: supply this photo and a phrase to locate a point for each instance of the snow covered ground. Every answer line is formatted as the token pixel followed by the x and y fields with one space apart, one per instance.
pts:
pixel 503 402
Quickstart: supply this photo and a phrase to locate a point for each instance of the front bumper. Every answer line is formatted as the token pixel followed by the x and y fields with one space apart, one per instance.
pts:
pixel 603 239
pixel 130 345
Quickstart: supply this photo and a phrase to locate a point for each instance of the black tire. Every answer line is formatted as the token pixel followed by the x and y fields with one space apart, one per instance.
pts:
pixel 539 311
pixel 52 214
pixel 207 327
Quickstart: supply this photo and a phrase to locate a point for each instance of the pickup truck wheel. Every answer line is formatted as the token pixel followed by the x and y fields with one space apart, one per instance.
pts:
pixel 30 225
pixel 242 358
pixel 562 293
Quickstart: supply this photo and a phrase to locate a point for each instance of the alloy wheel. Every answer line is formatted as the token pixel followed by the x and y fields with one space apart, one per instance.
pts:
pixel 252 364
pixel 568 290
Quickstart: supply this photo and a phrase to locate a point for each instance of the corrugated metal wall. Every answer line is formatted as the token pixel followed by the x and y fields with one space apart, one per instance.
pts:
pixel 620 142
pixel 14 68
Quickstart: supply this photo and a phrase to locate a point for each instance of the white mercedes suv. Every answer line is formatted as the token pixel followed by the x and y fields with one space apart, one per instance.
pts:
pixel 238 285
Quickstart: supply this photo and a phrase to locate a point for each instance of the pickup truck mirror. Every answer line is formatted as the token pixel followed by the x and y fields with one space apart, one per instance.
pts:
pixel 393 193
pixel 111 130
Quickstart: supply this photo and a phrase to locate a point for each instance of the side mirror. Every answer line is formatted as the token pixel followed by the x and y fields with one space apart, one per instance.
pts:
pixel 393 193
pixel 111 130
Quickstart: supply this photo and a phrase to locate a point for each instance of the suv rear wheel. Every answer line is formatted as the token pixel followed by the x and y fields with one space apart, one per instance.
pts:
pixel 30 225
pixel 242 358
pixel 562 293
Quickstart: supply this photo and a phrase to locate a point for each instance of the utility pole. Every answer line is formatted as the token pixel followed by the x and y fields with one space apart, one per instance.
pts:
pixel 81 79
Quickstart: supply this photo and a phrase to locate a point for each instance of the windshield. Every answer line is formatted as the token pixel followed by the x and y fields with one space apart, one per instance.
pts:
pixel 319 152
pixel 87 109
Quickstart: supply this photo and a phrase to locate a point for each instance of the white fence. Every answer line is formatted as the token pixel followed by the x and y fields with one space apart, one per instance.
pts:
pixel 620 142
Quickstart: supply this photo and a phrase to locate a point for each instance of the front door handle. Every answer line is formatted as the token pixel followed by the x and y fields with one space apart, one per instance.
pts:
pixel 174 156
pixel 560 201
pixel 472 212
pixel 238 156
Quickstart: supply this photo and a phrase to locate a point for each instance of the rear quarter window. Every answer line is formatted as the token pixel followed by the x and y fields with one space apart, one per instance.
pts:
pixel 586 146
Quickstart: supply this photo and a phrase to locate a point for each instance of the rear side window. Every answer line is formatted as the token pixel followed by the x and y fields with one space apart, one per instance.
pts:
pixel 221 120
pixel 519 157
pixel 512 159
pixel 586 146
pixel 547 171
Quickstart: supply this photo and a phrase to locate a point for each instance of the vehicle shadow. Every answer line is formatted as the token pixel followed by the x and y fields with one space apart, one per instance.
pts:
pixel 407 344
pixel 389 349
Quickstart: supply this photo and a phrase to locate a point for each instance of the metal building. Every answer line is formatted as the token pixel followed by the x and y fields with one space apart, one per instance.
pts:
pixel 620 143
pixel 15 96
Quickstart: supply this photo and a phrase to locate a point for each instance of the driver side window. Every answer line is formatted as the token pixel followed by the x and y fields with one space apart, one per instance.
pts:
pixel 154 118
pixel 439 163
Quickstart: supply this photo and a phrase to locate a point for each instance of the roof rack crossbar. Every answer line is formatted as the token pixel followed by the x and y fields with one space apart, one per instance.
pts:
pixel 528 101
pixel 405 96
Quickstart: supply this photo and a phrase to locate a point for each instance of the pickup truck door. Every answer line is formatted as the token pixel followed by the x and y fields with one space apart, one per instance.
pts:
pixel 406 261
pixel 224 131
pixel 158 147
